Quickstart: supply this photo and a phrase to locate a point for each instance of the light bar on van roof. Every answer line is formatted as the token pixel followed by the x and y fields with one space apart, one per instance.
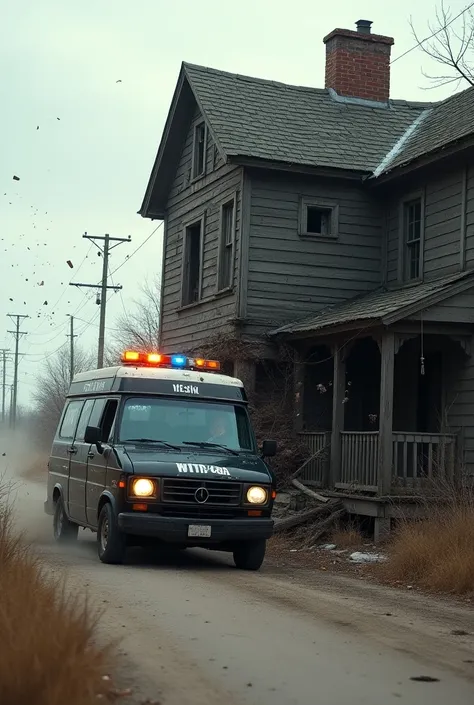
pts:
pixel 177 361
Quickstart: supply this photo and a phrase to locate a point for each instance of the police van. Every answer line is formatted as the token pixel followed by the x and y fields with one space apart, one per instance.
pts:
pixel 161 450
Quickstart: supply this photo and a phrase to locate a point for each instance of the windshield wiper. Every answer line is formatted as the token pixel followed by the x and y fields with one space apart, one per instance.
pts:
pixel 206 444
pixel 151 440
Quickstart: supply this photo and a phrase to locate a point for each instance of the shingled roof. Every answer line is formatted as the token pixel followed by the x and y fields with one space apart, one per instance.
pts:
pixel 380 306
pixel 447 122
pixel 260 119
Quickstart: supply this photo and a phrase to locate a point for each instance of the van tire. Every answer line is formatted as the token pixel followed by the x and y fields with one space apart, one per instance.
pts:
pixel 111 542
pixel 249 555
pixel 64 531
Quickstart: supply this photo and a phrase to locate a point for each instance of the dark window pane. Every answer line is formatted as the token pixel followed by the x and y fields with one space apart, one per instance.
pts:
pixel 71 417
pixel 199 149
pixel 226 251
pixel 318 220
pixel 192 264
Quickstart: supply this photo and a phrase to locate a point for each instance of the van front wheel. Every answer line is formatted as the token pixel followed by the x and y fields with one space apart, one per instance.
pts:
pixel 111 543
pixel 249 555
pixel 64 531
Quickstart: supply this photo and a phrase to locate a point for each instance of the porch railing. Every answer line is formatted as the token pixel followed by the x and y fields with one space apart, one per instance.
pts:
pixel 359 460
pixel 315 472
pixel 419 458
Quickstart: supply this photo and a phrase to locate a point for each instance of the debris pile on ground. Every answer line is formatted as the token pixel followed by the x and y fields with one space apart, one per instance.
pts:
pixel 309 525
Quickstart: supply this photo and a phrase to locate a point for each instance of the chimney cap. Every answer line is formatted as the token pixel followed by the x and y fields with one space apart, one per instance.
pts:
pixel 363 26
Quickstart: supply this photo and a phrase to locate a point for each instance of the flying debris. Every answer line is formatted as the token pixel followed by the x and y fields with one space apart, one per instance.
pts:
pixel 37 127
pixel 70 264
pixel 45 303
pixel 41 283
pixel 16 178
pixel 119 81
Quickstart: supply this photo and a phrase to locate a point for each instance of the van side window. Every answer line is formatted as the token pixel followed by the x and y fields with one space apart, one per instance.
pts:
pixel 84 420
pixel 108 418
pixel 70 419
pixel 97 411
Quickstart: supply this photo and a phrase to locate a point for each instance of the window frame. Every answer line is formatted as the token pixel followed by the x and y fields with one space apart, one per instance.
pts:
pixel 220 287
pixel 201 219
pixel 60 429
pixel 194 174
pixel 321 204
pixel 404 245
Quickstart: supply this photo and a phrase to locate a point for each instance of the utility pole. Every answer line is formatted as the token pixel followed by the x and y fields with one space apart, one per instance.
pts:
pixel 17 334
pixel 4 352
pixel 11 404
pixel 71 358
pixel 105 251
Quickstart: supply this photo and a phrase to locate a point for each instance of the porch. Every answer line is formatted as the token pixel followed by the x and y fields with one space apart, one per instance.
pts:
pixel 383 390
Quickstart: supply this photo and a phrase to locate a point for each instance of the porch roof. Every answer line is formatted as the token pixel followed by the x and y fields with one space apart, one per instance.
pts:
pixel 382 306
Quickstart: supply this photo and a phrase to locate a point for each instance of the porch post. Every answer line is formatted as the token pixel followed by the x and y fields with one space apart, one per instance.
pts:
pixel 298 378
pixel 386 413
pixel 338 394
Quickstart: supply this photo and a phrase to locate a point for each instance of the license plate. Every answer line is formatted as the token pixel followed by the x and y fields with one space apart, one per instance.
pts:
pixel 203 532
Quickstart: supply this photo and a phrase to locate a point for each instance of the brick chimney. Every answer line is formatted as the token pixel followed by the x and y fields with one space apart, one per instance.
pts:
pixel 358 63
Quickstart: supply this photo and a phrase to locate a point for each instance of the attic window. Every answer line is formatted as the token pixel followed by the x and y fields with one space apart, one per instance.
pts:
pixel 318 219
pixel 199 150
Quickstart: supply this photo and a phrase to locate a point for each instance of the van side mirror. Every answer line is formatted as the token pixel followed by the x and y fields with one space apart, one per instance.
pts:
pixel 93 435
pixel 269 449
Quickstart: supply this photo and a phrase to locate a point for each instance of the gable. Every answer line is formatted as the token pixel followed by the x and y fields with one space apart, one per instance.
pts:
pixel 456 309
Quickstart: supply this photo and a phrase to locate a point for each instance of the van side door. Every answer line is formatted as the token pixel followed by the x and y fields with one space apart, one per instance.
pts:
pixel 63 450
pixel 78 467
pixel 103 415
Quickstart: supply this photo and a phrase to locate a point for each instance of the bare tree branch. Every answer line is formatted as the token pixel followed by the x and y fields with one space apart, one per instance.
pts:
pixel 139 327
pixel 450 43
pixel 52 387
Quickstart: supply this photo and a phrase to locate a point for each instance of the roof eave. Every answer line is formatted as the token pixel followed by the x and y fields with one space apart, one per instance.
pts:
pixel 444 152
pixel 144 210
pixel 262 163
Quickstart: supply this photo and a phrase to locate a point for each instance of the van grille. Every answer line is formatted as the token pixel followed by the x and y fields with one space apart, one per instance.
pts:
pixel 182 490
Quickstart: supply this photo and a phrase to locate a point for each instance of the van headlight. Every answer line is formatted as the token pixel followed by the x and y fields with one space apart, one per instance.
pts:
pixel 142 487
pixel 257 495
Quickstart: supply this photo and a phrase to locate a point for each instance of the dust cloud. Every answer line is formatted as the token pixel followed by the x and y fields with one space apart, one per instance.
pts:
pixel 23 476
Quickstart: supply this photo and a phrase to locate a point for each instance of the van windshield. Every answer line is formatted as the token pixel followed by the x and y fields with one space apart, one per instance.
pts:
pixel 182 422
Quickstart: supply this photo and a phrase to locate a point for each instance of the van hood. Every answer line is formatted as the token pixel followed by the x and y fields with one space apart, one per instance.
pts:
pixel 205 465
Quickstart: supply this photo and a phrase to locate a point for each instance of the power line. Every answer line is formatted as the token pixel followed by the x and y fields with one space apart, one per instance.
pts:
pixel 138 248
pixel 434 34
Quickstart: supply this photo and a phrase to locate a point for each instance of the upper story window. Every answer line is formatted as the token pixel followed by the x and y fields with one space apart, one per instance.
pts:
pixel 192 262
pixel 318 218
pixel 226 246
pixel 412 238
pixel 199 150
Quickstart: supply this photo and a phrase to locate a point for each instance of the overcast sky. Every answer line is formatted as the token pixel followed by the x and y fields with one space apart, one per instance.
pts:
pixel 83 144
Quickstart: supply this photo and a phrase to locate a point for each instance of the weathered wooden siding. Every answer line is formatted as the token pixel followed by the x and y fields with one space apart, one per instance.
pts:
pixel 290 276
pixel 470 216
pixel 460 406
pixel 442 226
pixel 188 200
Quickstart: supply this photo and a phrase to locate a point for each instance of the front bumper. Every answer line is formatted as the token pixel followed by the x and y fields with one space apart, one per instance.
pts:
pixel 175 529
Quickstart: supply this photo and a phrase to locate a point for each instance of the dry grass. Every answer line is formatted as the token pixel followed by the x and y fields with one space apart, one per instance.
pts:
pixel 347 537
pixel 47 650
pixel 436 553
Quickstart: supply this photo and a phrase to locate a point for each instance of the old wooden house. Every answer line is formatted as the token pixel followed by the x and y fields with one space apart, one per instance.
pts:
pixel 339 221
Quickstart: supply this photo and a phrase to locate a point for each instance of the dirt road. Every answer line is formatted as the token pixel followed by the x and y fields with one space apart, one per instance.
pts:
pixel 195 630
